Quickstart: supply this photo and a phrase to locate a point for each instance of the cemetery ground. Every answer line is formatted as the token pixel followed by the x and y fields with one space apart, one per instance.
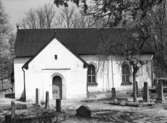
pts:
pixel 102 111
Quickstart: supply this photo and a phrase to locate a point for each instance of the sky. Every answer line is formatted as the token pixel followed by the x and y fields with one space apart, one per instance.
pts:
pixel 16 9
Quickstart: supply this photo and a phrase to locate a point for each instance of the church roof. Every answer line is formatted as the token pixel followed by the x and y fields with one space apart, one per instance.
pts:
pixel 89 41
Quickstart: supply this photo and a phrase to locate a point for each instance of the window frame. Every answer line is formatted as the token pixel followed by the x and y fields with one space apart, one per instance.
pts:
pixel 91 75
pixel 126 73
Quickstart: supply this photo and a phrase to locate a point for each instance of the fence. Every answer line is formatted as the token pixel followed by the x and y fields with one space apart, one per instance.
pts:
pixel 44 116
pixel 162 79
pixel 31 116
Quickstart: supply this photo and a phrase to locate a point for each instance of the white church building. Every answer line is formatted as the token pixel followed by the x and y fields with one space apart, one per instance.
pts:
pixel 70 63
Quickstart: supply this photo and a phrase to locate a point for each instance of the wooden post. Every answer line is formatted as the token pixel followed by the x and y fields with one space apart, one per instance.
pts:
pixel 137 89
pixel 36 96
pixel 134 92
pixel 58 105
pixel 146 92
pixel 113 93
pixel 160 95
pixel 47 100
pixel 13 109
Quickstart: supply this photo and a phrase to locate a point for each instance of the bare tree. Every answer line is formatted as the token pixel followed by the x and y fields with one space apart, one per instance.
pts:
pixel 30 20
pixel 71 17
pixel 66 17
pixel 49 16
pixel 39 18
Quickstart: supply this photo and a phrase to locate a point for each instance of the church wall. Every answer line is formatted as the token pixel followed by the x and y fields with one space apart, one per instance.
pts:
pixel 19 76
pixel 45 65
pixel 109 72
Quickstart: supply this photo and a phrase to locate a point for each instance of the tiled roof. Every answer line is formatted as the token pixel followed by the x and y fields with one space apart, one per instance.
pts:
pixel 88 41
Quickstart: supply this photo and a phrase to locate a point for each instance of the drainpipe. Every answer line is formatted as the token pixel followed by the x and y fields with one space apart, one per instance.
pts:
pixel 113 91
pixel 112 74
pixel 87 90
pixel 23 98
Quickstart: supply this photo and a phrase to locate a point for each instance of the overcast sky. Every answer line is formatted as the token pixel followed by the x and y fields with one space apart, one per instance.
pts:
pixel 16 9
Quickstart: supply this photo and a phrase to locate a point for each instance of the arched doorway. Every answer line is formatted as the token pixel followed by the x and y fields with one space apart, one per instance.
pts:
pixel 57 87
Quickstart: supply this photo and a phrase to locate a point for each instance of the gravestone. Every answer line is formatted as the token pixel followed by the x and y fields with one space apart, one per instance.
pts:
pixel 113 93
pixel 58 105
pixel 83 111
pixel 36 96
pixel 146 92
pixel 47 100
pixel 160 95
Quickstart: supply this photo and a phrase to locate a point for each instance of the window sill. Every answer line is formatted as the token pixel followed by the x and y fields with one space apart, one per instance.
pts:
pixel 92 84
pixel 126 84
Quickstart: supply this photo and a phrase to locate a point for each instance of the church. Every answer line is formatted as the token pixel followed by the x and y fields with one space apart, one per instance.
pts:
pixel 70 63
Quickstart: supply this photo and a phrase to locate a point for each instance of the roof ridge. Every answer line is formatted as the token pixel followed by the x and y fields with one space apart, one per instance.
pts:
pixel 74 28
pixel 39 29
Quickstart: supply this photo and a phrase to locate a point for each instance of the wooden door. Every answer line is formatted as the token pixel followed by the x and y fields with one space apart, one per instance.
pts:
pixel 57 87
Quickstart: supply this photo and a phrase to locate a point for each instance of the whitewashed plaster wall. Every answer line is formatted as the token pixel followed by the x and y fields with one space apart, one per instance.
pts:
pixel 18 76
pixel 109 72
pixel 44 67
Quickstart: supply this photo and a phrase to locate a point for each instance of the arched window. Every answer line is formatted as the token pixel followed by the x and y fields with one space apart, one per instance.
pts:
pixel 91 75
pixel 125 74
